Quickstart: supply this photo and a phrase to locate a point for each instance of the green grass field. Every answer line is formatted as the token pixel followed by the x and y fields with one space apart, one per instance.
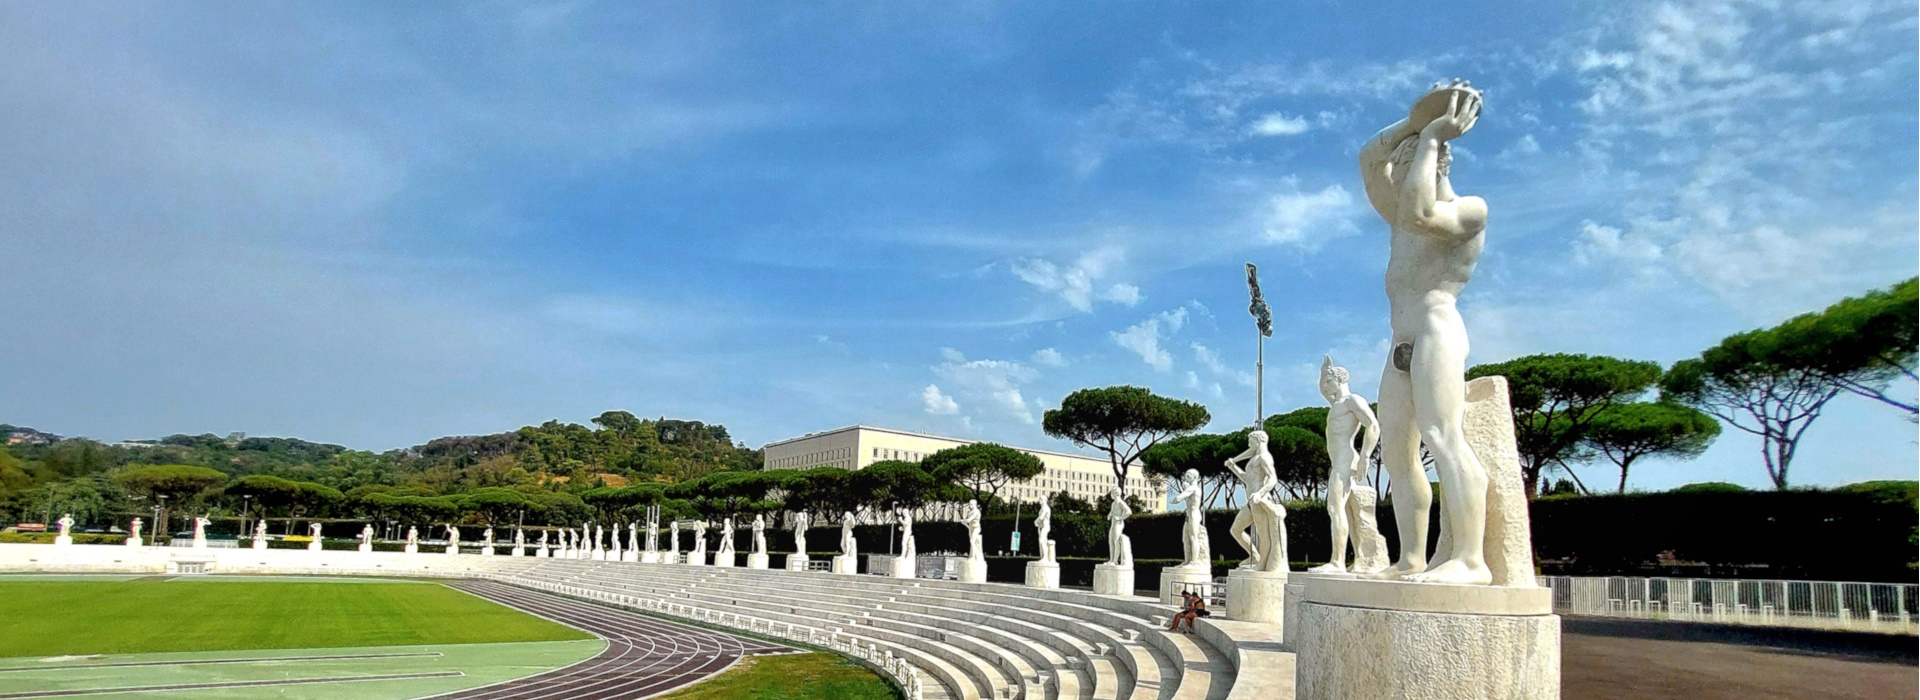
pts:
pixel 52 618
pixel 814 676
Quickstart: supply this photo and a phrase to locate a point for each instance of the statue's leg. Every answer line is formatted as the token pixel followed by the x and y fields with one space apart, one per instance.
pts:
pixel 1241 521
pixel 1439 399
pixel 1400 455
pixel 1337 485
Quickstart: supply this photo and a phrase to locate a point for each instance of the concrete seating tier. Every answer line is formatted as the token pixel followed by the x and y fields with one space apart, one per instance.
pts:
pixel 981 640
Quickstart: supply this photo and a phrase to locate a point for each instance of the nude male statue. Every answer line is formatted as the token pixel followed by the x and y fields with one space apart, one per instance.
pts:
pixel 1437 239
pixel 1350 497
pixel 1263 513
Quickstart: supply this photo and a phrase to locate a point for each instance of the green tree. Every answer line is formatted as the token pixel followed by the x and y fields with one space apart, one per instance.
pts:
pixel 1744 384
pixel 982 467
pixel 1205 453
pixel 891 482
pixel 1627 432
pixel 1299 460
pixel 1860 344
pixel 1122 421
pixel 1555 396
pixel 170 485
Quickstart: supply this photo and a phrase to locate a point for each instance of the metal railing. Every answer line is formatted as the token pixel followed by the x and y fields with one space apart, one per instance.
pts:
pixel 1878 607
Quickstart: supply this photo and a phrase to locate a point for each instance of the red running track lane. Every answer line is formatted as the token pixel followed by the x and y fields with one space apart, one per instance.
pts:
pixel 644 655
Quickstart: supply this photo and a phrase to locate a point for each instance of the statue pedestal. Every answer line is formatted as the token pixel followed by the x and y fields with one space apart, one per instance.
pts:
pixel 199 541
pixel 486 551
pixel 797 562
pixel 1113 579
pixel 725 560
pixel 134 542
pixel 1174 578
pixel 973 570
pixel 453 550
pixel 757 560
pixel 518 552
pixel 63 540
pixel 413 548
pixel 315 545
pixel 1257 596
pixel 541 553
pixel 1296 592
pixel 651 557
pixel 258 542
pixel 366 546
pixel 1043 574
pixel 846 564
pixel 1361 638
pixel 630 555
pixel 696 559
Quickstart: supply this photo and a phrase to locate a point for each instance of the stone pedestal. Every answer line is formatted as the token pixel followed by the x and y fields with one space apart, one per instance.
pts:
pixel 725 561
pixel 1173 580
pixel 315 545
pixel 1043 574
pixel 134 542
pixel 1113 579
pixel 973 570
pixel 258 543
pixel 453 549
pixel 486 550
pixel 63 540
pixel 797 562
pixel 541 553
pixel 1361 638
pixel 651 557
pixel 696 559
pixel 757 561
pixel 412 548
pixel 630 556
pixel 846 564
pixel 896 567
pixel 1257 596
pixel 366 547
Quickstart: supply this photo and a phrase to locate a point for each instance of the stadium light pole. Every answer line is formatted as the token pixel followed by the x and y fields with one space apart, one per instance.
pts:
pixel 1263 319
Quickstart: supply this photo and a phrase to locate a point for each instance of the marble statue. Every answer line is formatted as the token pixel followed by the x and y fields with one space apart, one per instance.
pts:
pixel 1263 514
pixel 613 552
pixel 453 540
pixel 66 529
pixel 800 523
pixel 908 551
pixel 759 534
pixel 1043 522
pixel 486 542
pixel 413 535
pixel 260 534
pixel 633 537
pixel 726 537
pixel 1437 236
pixel 315 542
pixel 366 537
pixel 971 519
pixel 653 533
pixel 674 538
pixel 543 539
pixel 133 533
pixel 1193 529
pixel 848 547
pixel 1119 548
pixel 200 524
pixel 1350 496
pixel 700 543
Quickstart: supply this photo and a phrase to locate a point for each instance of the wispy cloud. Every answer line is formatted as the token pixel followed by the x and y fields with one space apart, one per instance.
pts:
pixel 1080 283
pixel 1144 338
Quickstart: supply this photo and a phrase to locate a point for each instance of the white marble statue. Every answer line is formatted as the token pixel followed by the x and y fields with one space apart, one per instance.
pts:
pixel 1193 529
pixel 613 552
pixel 133 533
pixel 260 529
pixel 315 542
pixel 453 540
pixel 908 550
pixel 1263 514
pixel 759 534
pixel 1043 522
pixel 1119 548
pixel 800 523
pixel 726 537
pixel 848 547
pixel 66 530
pixel 971 519
pixel 200 524
pixel 413 535
pixel 633 537
pixel 1350 496
pixel 700 543
pixel 653 533
pixel 1437 236
pixel 673 538
pixel 366 537
pixel 543 539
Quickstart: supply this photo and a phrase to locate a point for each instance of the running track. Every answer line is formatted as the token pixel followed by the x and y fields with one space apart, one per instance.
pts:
pixel 644 655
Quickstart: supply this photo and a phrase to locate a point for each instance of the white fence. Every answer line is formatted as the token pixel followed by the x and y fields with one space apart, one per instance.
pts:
pixel 1879 607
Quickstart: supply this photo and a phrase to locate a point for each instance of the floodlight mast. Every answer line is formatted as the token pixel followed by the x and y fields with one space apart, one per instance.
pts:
pixel 1263 319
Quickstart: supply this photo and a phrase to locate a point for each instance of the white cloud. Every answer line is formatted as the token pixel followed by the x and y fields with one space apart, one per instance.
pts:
pixel 1308 219
pixel 1193 380
pixel 1278 124
pixel 1520 148
pixel 1598 243
pixel 952 355
pixel 994 382
pixel 1144 338
pixel 937 402
pixel 1211 360
pixel 1074 283
pixel 1049 357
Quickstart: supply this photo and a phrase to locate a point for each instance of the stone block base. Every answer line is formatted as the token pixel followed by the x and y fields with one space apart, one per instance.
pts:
pixel 757 561
pixel 366 547
pixel 725 560
pixel 1365 653
pixel 1173 578
pixel 486 551
pixel 696 559
pixel 973 570
pixel 541 553
pixel 846 564
pixel 413 549
pixel 1113 579
pixel 630 555
pixel 1257 596
pixel 652 557
pixel 797 562
pixel 135 542
pixel 1043 574
pixel 63 540
pixel 257 544
pixel 313 546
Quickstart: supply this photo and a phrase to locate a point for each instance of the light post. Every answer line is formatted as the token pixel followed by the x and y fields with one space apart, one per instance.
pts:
pixel 1262 317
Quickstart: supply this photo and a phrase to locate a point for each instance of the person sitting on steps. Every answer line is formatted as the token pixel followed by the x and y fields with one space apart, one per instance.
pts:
pixel 1191 606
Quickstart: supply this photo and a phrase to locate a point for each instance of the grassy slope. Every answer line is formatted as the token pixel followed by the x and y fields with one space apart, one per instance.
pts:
pixel 815 676
pixel 48 618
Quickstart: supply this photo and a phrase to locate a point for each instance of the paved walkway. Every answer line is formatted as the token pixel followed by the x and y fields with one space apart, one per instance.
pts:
pixel 644 655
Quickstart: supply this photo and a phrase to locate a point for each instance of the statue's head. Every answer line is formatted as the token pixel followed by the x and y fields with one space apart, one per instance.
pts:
pixel 1193 476
pixel 1257 437
pixel 1333 379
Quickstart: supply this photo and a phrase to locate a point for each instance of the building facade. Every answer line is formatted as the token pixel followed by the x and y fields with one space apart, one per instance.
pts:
pixel 855 447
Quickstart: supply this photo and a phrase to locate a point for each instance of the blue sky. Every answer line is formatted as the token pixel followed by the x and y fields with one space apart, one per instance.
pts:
pixel 374 224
